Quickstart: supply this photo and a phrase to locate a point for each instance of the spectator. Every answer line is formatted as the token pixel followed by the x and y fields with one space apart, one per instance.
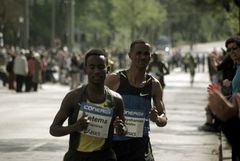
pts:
pixel 228 112
pixel 11 74
pixel 44 67
pixel 20 70
pixel 3 62
pixel 37 74
pixel 74 72
pixel 227 69
pixel 29 77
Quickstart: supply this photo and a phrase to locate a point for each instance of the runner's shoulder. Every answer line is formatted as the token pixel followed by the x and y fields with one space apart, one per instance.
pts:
pixel 112 81
pixel 113 77
pixel 113 93
pixel 155 82
pixel 75 94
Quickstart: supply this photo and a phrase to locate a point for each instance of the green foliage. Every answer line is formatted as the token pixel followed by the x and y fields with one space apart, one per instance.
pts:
pixel 137 19
pixel 233 19
pixel 115 23
pixel 198 21
pixel 10 11
pixel 93 19
pixel 40 24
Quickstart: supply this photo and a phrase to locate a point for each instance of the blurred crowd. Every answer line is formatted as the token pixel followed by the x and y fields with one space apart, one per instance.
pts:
pixel 25 70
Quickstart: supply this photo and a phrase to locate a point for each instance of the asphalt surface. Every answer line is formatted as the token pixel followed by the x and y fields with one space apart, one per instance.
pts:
pixel 25 119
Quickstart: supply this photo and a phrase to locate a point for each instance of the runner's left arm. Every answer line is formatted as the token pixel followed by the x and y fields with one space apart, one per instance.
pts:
pixel 119 122
pixel 158 112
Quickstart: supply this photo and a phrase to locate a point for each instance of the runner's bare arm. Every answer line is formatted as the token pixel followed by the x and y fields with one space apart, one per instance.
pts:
pixel 112 81
pixel 67 105
pixel 119 121
pixel 158 113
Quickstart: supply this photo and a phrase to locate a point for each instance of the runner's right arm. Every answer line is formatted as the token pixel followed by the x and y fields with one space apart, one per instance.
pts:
pixel 67 105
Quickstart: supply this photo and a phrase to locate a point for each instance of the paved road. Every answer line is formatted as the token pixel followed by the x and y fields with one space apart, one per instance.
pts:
pixel 180 140
pixel 25 120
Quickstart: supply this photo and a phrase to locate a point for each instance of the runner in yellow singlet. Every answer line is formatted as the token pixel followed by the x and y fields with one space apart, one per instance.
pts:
pixel 94 112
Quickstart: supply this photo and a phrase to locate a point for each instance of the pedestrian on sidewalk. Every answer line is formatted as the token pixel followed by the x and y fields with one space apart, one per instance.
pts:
pixel 93 111
pixel 137 89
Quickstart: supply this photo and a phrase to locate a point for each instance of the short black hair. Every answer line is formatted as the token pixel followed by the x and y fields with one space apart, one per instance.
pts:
pixel 233 39
pixel 96 52
pixel 140 41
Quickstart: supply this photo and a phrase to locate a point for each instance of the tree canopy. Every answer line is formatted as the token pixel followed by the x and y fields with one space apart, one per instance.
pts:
pixel 115 23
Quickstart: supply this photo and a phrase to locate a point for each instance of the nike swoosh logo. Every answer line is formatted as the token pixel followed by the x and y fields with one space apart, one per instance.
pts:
pixel 143 94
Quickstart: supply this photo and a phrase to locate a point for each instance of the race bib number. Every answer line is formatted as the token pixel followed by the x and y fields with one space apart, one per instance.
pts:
pixel 134 120
pixel 99 117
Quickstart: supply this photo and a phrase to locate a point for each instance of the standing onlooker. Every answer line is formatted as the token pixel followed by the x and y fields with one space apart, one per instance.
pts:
pixel 29 77
pixel 44 64
pixel 20 70
pixel 74 72
pixel 93 112
pixel 11 74
pixel 3 62
pixel 138 89
pixel 37 74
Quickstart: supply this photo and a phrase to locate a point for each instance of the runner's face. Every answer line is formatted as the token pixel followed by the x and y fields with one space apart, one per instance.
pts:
pixel 140 55
pixel 96 69
pixel 234 51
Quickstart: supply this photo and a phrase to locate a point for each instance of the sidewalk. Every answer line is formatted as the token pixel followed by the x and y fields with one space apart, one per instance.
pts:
pixel 26 117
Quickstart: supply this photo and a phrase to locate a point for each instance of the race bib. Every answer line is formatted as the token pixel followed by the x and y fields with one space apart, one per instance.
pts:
pixel 99 117
pixel 134 120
